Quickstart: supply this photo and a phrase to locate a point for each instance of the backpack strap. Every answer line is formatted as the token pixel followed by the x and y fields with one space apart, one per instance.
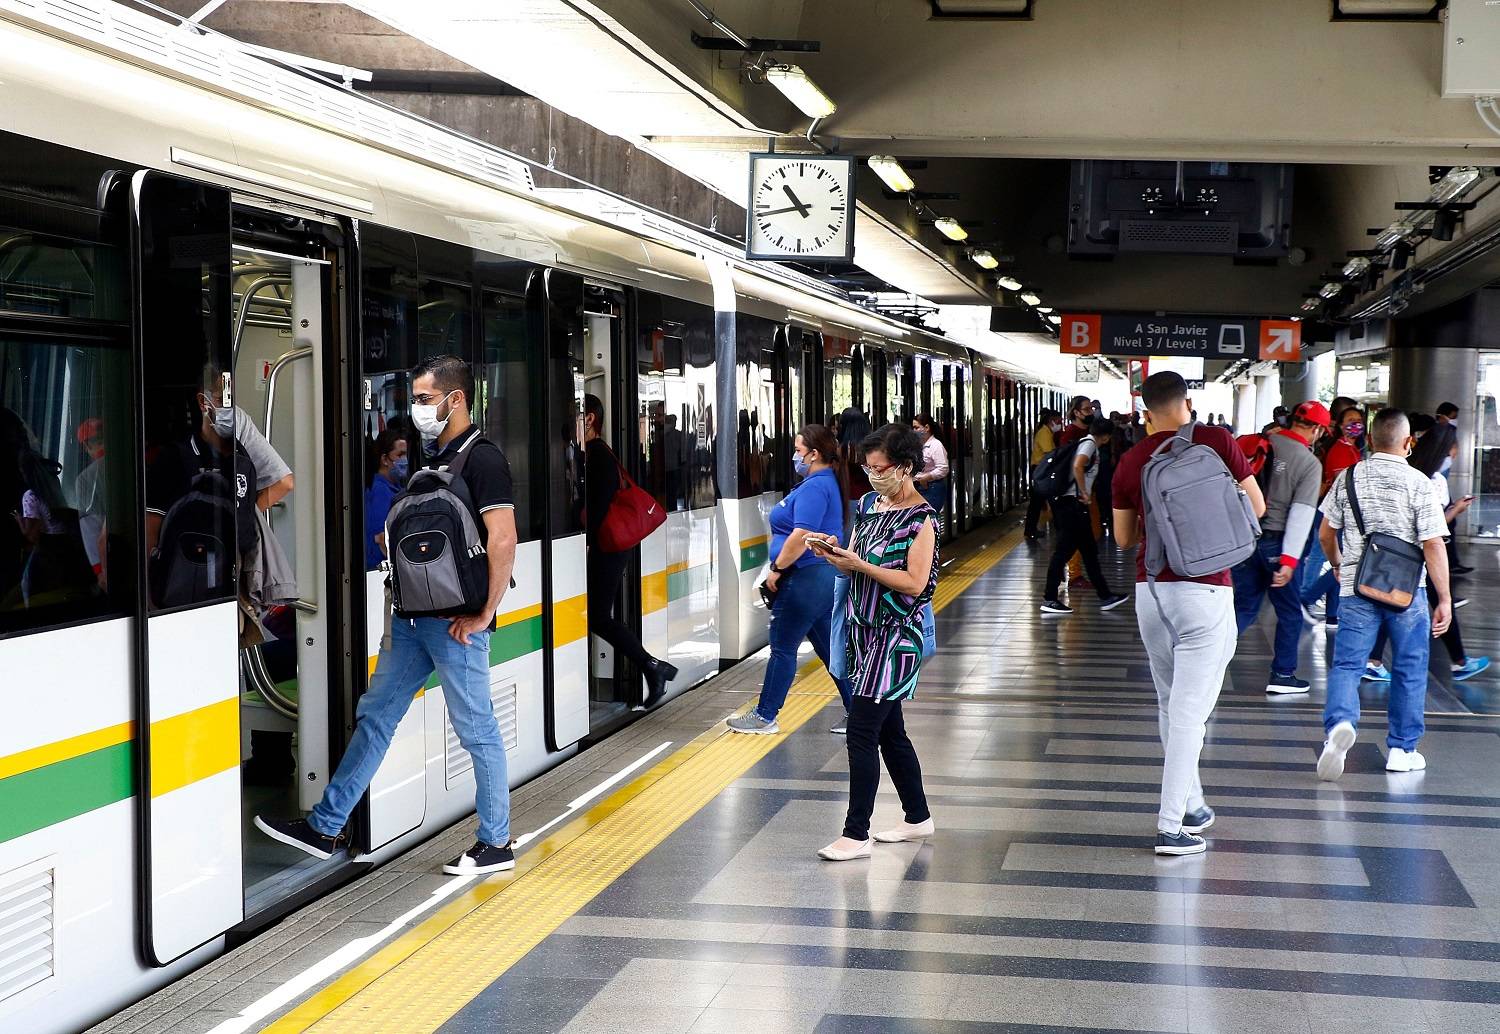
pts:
pixel 456 465
pixel 1353 496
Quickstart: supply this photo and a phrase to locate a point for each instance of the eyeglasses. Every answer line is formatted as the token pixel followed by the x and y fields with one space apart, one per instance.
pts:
pixel 870 469
pixel 424 399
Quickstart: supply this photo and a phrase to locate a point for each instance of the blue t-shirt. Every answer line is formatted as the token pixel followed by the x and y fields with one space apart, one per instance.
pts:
pixel 378 499
pixel 814 505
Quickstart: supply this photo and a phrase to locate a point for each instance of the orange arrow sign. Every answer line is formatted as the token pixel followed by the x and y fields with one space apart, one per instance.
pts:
pixel 1281 340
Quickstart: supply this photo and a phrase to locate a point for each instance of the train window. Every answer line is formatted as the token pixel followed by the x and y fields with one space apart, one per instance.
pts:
pixel 54 276
pixel 762 441
pixel 675 363
pixel 838 378
pixel 505 391
pixel 564 432
pixel 444 317
pixel 66 481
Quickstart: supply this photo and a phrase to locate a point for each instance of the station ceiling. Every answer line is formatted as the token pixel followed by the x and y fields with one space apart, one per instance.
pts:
pixel 990 109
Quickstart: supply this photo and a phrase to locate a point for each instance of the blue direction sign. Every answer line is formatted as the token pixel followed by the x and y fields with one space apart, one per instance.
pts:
pixel 1211 337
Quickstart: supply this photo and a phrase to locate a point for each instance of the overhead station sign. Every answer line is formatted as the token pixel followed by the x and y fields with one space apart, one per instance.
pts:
pixel 1209 337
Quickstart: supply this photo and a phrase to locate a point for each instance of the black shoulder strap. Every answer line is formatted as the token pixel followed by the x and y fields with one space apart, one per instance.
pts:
pixel 456 466
pixel 1359 517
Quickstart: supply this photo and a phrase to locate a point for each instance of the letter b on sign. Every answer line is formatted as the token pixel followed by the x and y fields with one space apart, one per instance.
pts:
pixel 1079 335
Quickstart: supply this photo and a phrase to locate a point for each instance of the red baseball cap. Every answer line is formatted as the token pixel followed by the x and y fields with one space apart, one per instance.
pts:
pixel 1313 413
pixel 93 427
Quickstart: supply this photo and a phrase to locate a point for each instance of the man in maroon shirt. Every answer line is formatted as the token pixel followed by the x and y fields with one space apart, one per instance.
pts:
pixel 1190 672
pixel 1080 416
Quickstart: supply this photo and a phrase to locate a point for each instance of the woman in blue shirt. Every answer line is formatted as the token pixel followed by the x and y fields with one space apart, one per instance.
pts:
pixel 388 480
pixel 801 579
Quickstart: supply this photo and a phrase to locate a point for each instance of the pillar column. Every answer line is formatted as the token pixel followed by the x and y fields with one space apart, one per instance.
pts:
pixel 1244 409
pixel 1298 383
pixel 1424 378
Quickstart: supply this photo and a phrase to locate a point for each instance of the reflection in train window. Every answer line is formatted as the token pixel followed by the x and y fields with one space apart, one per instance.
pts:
pixel 764 452
pixel 443 318
pixel 675 362
pixel 53 276
pixel 66 481
pixel 505 389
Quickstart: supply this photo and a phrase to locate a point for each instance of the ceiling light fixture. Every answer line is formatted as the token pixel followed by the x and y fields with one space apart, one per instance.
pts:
pixel 797 86
pixel 1310 305
pixel 1010 283
pixel 1356 267
pixel 1031 298
pixel 951 228
pixel 1056 321
pixel 1044 308
pixel 983 259
pixel 1331 290
pixel 891 173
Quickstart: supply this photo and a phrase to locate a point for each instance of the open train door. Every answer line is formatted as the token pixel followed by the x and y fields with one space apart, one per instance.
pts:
pixel 187 646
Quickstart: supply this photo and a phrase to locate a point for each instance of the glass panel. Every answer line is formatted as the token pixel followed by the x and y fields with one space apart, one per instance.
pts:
pixel 505 391
pixel 1484 516
pixel 565 437
pixel 444 315
pixel 53 276
pixel 762 442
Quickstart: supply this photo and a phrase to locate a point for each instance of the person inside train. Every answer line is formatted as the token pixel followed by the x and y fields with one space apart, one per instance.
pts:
pixel 892 562
pixel 1043 441
pixel 674 458
pixel 932 479
pixel 457 648
pixel 387 478
pixel 88 490
pixel 853 429
pixel 606 570
pixel 800 579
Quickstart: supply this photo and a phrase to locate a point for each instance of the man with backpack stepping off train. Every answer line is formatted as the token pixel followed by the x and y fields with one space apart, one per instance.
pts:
pixel 1187 495
pixel 451 537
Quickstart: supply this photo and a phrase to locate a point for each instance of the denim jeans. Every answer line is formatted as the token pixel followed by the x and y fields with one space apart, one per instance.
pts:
pixel 803 610
pixel 936 494
pixel 1410 632
pixel 1317 584
pixel 418 647
pixel 1252 584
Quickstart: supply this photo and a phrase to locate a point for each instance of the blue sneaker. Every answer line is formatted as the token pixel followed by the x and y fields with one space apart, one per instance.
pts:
pixel 1471 666
pixel 1178 844
pixel 1196 822
pixel 751 722
pixel 1377 672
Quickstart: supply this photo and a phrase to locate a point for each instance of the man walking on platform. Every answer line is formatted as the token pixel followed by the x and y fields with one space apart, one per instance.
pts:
pixel 1186 624
pixel 1070 511
pixel 1291 490
pixel 1389 497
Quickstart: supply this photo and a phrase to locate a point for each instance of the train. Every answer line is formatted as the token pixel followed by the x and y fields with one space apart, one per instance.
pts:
pixel 182 220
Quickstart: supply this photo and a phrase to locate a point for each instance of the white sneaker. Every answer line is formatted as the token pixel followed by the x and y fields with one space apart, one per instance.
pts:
pixel 840 851
pixel 907 831
pixel 1331 762
pixel 1404 761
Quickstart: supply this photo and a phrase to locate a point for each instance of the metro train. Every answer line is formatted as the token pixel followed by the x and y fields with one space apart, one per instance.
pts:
pixel 179 219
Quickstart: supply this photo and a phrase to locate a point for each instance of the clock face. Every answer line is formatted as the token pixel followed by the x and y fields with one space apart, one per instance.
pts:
pixel 800 207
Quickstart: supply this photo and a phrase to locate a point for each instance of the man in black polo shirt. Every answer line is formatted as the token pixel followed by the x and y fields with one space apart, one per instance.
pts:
pixel 458 648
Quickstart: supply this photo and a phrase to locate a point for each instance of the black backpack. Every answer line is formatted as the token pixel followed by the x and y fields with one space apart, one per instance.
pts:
pixel 439 566
pixel 194 559
pixel 1055 473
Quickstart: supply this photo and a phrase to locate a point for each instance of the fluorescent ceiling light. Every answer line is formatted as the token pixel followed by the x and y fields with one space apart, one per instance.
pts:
pixel 1031 298
pixel 1455 184
pixel 1010 283
pixel 797 87
pixel 1356 267
pixel 1393 235
pixel 1044 308
pixel 1310 305
pixel 1056 321
pixel 949 227
pixel 1331 290
pixel 984 259
pixel 891 173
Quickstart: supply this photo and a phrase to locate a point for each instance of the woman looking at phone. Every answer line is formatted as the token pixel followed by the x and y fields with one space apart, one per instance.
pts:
pixel 800 581
pixel 893 565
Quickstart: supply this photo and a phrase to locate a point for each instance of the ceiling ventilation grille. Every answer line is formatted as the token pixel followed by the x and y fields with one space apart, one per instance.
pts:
pixel 27 929
pixel 216 60
pixel 1215 238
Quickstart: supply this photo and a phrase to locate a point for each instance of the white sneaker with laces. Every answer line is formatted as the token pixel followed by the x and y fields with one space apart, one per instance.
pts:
pixel 1405 761
pixel 1331 762
pixel 907 831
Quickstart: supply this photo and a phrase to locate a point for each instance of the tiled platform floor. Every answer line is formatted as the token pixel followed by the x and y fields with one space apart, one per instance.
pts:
pixel 1371 905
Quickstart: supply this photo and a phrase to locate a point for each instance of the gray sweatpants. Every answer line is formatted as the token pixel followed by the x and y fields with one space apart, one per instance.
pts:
pixel 1188 678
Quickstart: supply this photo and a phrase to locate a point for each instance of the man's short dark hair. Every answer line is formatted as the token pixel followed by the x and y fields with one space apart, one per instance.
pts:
pixel 449 373
pixel 1163 389
pixel 1448 410
pixel 1102 426
pixel 1389 428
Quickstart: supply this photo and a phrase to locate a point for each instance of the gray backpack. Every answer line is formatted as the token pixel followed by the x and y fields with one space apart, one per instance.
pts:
pixel 1198 520
pixel 439 566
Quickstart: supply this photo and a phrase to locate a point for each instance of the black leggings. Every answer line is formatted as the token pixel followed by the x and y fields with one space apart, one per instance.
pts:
pixel 605 574
pixel 1075 534
pixel 876 729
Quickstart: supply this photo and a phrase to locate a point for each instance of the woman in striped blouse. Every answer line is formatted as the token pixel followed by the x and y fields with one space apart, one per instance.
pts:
pixel 893 564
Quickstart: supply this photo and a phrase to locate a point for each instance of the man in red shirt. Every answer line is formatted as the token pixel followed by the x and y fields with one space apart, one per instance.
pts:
pixel 1188 674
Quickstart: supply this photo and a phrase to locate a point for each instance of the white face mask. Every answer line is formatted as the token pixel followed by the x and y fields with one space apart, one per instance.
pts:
pixel 425 419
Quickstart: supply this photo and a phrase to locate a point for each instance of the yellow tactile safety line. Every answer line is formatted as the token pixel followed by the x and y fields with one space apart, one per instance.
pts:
pixel 425 977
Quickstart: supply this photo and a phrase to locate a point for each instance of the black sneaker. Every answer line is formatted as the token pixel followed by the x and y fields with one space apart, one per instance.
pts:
pixel 1287 684
pixel 299 833
pixel 1178 844
pixel 480 859
pixel 1196 822
pixel 1461 569
pixel 1055 607
pixel 1112 602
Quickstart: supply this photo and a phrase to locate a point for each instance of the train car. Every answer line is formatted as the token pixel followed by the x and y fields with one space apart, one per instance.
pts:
pixel 186 229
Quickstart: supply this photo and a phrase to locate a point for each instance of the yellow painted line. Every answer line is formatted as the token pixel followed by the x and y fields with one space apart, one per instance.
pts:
pixel 194 745
pixel 682 566
pixel 747 543
pixel 570 620
pixel 653 592
pixel 65 750
pixel 421 980
pixel 513 617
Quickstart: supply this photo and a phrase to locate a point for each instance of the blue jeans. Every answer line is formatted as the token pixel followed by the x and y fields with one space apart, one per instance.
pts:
pixel 418 647
pixel 803 610
pixel 1410 633
pixel 1252 584
pixel 1315 584
pixel 936 494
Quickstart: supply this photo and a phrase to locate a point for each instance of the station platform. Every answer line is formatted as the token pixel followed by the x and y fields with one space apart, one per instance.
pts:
pixel 668 880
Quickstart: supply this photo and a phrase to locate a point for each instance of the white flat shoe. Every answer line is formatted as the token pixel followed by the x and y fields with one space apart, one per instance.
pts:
pixel 907 831
pixel 1405 761
pixel 836 852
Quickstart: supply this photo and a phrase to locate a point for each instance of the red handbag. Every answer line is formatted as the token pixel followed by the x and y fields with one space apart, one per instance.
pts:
pixel 633 514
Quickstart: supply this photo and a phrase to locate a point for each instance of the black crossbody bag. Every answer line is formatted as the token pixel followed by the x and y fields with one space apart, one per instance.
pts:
pixel 1390 569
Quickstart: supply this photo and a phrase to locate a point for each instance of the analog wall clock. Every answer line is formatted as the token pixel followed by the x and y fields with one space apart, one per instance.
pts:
pixel 801 207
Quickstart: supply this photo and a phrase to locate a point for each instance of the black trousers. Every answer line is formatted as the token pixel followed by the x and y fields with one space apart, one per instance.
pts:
pixel 1034 513
pixel 1075 534
pixel 605 575
pixel 876 730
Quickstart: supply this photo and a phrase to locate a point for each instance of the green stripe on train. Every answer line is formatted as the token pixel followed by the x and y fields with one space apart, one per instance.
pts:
pixel 685 583
pixel 63 790
pixel 506 644
pixel 752 557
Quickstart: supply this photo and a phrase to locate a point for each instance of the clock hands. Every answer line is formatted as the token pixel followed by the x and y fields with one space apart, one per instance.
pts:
pixel 782 211
pixel 798 205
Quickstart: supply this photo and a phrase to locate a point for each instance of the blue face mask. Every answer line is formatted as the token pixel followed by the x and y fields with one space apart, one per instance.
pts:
pixel 399 470
pixel 800 464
